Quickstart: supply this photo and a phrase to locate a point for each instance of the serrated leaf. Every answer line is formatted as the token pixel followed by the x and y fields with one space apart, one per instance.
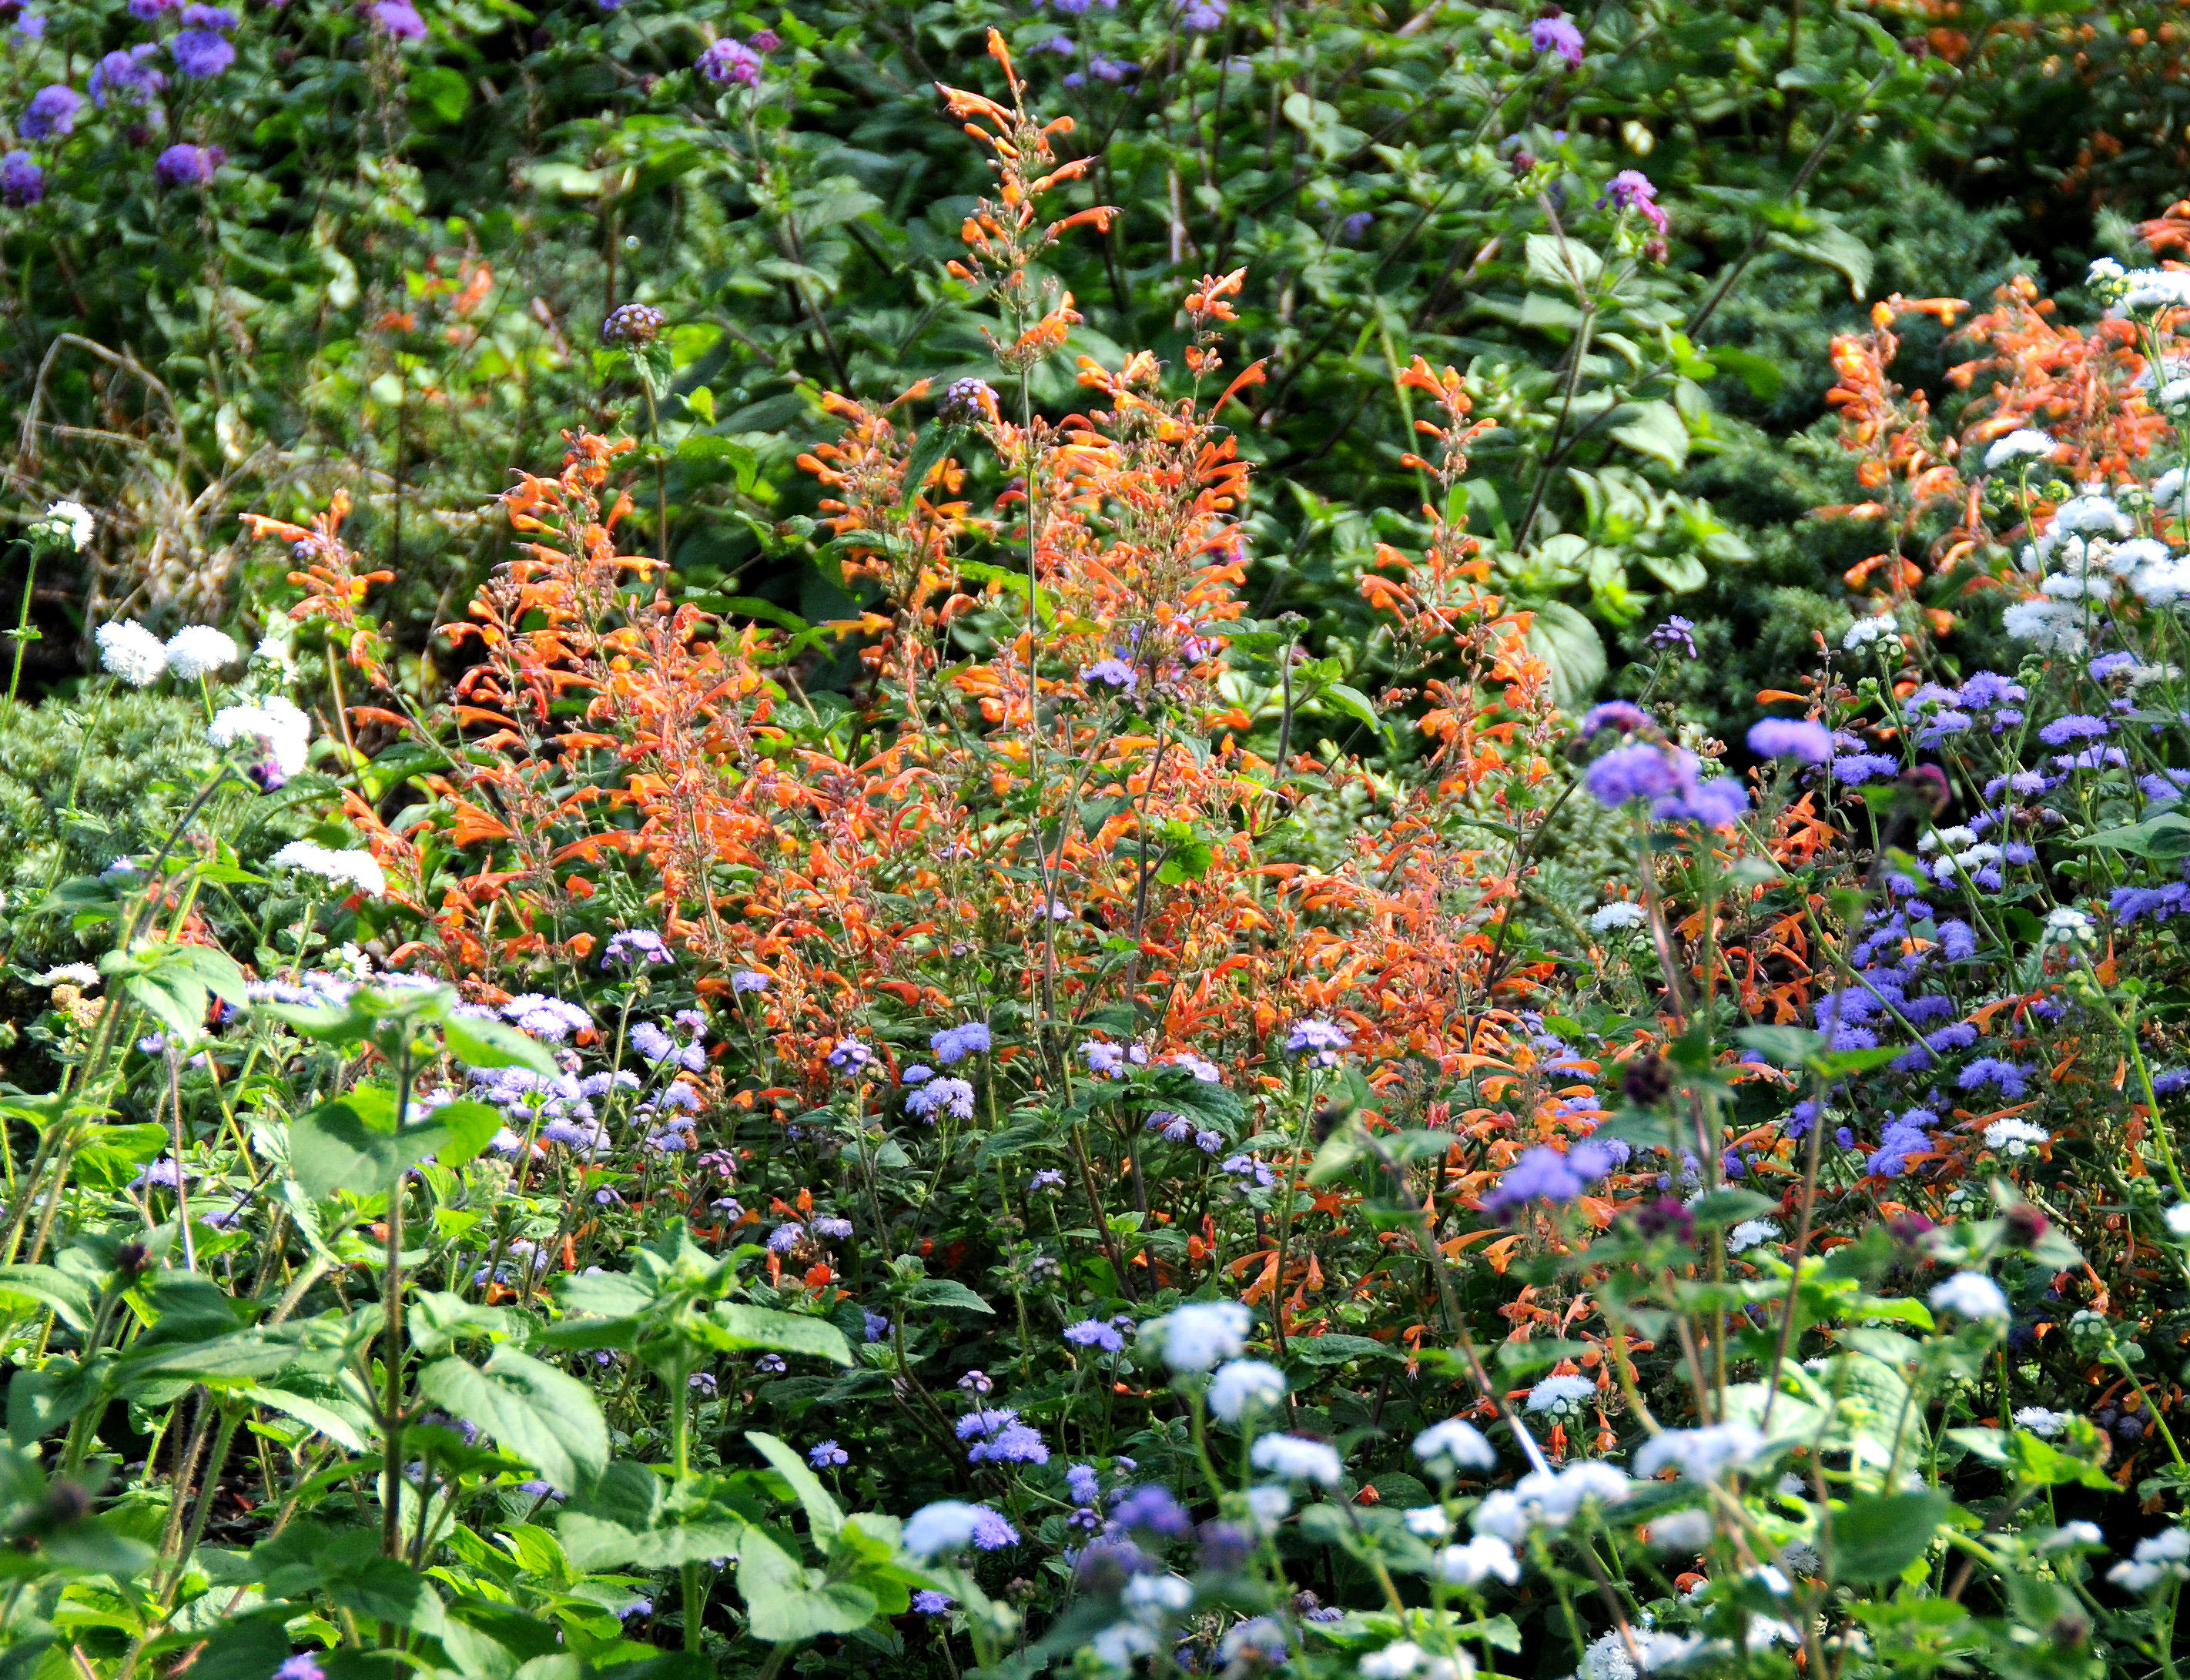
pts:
pixel 532 1411
pixel 1876 1539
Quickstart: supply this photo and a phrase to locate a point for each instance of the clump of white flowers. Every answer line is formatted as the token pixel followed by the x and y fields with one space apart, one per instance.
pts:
pixel 1549 1500
pixel 65 524
pixel 1972 1295
pixel 358 870
pixel 2160 1558
pixel 1564 1400
pixel 1201 1334
pixel 1454 1445
pixel 1702 1455
pixel 2015 1138
pixel 132 652
pixel 2022 443
pixel 1749 1234
pixel 1621 913
pixel 275 725
pixel 2068 926
pixel 198 650
pixel 1245 1386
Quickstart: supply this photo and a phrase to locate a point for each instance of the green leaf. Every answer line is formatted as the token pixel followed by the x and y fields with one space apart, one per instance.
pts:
pixel 786 1602
pixel 2165 836
pixel 633 1517
pixel 1353 703
pixel 1567 263
pixel 721 451
pixel 442 90
pixel 1837 249
pixel 823 1515
pixel 71 1298
pixel 349 1143
pixel 735 1328
pixel 1876 1539
pixel 947 1292
pixel 1569 643
pixel 532 1411
pixel 1656 429
pixel 1784 1046
pixel 938 440
pixel 1334 1349
pixel 485 1042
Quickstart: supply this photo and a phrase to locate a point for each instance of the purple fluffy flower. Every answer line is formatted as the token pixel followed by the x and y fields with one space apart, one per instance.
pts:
pixel 1113 671
pixel 1638 771
pixel 1709 804
pixel 399 18
pixel 22 182
pixel 1856 767
pixel 126 75
pixel 1796 738
pixel 1151 1511
pixel 2062 730
pixel 1319 1039
pixel 203 54
pixel 1631 190
pixel 1545 1173
pixel 991 1533
pixel 1095 1333
pixel 635 945
pixel 728 63
pixel 188 166
pixel 51 111
pixel 1555 34
pixel 2009 1080
pixel 1623 715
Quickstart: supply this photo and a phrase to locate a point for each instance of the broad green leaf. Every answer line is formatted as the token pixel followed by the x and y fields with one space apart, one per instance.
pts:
pixel 1653 429
pixel 1877 1539
pixel 348 1144
pixel 786 1602
pixel 947 1292
pixel 823 1515
pixel 484 1042
pixel 2165 836
pixel 735 1328
pixel 1567 263
pixel 1837 249
pixel 70 1299
pixel 1569 643
pixel 532 1411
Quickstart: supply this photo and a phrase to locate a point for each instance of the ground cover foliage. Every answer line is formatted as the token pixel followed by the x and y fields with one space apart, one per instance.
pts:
pixel 1227 838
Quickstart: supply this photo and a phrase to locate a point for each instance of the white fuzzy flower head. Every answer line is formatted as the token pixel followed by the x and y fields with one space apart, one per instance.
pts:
pixel 2167 491
pixel 2161 584
pixel 2041 1422
pixel 1428 1522
pixel 68 522
pixel 1749 1234
pixel 2178 1219
pixel 1268 1504
pixel 1298 1459
pixel 2015 1138
pixel 1202 1334
pixel 1454 1445
pixel 1683 1532
pixel 357 870
pixel 1475 1562
pixel 1614 1655
pixel 2079 1533
pixel 2080 586
pixel 2019 446
pixel 1562 1398
pixel 2089 515
pixel 1971 1294
pixel 1396 1660
pixel 1622 913
pixel 2158 1558
pixel 132 652
pixel 81 975
pixel 1549 1500
pixel 1702 1455
pixel 1245 1386
pixel 2052 626
pixel 2068 926
pixel 198 650
pixel 2153 290
pixel 937 1530
pixel 1865 631
pixel 276 726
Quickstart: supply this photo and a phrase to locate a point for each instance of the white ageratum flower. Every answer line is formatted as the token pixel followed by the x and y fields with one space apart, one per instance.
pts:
pixel 2157 1559
pixel 1201 1334
pixel 1475 1562
pixel 274 725
pixel 2081 585
pixel 2178 1219
pixel 2041 1422
pixel 2052 627
pixel 1454 1445
pixel 1702 1455
pixel 132 652
pixel 2091 515
pixel 1623 1656
pixel 1245 1386
pixel 937 1530
pixel 1972 1295
pixel 69 522
pixel 2103 271
pixel 2167 491
pixel 1749 1234
pixel 198 650
pixel 1865 631
pixel 1396 1660
pixel 1561 1398
pixel 2015 1138
pixel 2154 289
pixel 1624 913
pixel 1549 1500
pixel 1268 1504
pixel 81 975
pixel 1298 1459
pixel 352 869
pixel 1685 1533
pixel 2079 1533
pixel 2071 927
pixel 1152 1599
pixel 2022 443
pixel 1428 1522
pixel 2161 584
